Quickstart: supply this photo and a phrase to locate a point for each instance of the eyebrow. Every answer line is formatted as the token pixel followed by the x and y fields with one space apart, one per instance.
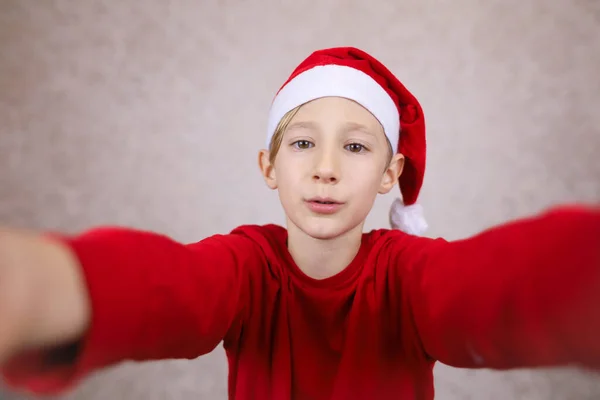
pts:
pixel 302 124
pixel 354 126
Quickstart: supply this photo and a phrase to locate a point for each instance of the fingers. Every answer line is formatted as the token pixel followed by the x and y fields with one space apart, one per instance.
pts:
pixel 9 333
pixel 14 294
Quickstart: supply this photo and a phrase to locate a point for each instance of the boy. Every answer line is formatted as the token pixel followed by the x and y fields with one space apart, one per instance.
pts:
pixel 318 310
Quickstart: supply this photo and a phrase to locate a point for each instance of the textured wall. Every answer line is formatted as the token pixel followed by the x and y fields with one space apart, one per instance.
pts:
pixel 151 116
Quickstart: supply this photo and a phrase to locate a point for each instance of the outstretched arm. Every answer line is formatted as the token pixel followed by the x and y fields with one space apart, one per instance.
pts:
pixel 149 298
pixel 522 294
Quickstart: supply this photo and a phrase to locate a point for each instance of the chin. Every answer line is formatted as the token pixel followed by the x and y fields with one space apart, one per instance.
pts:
pixel 322 233
pixel 323 228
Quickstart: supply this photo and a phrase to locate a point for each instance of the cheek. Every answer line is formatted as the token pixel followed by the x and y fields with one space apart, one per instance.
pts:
pixel 289 177
pixel 365 176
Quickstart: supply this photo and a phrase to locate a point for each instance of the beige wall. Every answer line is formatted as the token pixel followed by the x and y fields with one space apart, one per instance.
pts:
pixel 149 114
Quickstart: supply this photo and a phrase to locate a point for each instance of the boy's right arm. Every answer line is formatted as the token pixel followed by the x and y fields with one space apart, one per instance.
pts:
pixel 113 294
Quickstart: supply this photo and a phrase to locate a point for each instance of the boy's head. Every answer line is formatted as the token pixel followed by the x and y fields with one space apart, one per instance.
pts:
pixel 332 151
pixel 341 130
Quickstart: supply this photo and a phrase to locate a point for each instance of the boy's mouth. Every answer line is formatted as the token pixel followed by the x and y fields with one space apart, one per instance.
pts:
pixel 320 205
pixel 320 200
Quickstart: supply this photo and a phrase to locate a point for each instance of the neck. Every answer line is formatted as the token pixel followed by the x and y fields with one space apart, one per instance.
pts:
pixel 323 258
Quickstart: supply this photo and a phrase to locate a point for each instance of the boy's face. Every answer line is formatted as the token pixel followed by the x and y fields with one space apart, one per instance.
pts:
pixel 333 161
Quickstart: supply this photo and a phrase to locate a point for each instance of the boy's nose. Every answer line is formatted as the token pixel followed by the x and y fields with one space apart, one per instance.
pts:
pixel 326 169
pixel 325 177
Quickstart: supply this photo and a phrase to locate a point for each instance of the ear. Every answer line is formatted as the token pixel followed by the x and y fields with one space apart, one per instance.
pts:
pixel 392 173
pixel 267 169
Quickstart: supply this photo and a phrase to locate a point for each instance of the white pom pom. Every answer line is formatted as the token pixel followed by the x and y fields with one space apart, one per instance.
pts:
pixel 409 219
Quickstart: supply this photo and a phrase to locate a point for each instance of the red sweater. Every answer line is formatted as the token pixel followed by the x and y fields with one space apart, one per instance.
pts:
pixel 523 294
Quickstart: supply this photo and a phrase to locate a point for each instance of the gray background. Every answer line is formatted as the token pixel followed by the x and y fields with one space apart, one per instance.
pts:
pixel 151 114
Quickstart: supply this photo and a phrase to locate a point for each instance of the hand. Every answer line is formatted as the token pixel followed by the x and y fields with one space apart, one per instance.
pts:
pixel 43 301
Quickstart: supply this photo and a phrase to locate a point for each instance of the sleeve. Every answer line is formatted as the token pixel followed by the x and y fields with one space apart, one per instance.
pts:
pixel 151 298
pixel 522 294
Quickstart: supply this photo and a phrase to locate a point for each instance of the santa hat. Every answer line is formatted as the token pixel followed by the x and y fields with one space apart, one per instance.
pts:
pixel 352 73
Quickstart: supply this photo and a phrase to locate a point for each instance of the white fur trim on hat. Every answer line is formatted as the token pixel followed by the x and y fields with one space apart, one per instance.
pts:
pixel 409 219
pixel 339 81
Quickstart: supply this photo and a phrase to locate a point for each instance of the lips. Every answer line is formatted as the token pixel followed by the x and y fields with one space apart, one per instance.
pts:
pixel 324 205
pixel 324 201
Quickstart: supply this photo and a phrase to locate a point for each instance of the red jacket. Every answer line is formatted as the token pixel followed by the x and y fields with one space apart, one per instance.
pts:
pixel 523 294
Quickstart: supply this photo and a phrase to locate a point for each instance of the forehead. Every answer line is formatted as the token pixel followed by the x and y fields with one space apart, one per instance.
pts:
pixel 337 111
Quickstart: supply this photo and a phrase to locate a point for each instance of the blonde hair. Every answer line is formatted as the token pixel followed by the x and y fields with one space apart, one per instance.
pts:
pixel 277 137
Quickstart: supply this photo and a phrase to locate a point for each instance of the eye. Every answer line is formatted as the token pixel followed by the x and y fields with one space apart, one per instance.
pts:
pixel 356 148
pixel 302 144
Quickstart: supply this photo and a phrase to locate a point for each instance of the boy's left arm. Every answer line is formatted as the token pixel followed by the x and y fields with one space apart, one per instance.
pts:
pixel 522 294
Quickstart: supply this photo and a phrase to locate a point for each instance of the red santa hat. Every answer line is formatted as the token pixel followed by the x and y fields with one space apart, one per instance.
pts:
pixel 352 73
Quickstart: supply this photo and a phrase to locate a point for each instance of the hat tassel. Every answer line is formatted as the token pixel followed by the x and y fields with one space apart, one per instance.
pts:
pixel 408 218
